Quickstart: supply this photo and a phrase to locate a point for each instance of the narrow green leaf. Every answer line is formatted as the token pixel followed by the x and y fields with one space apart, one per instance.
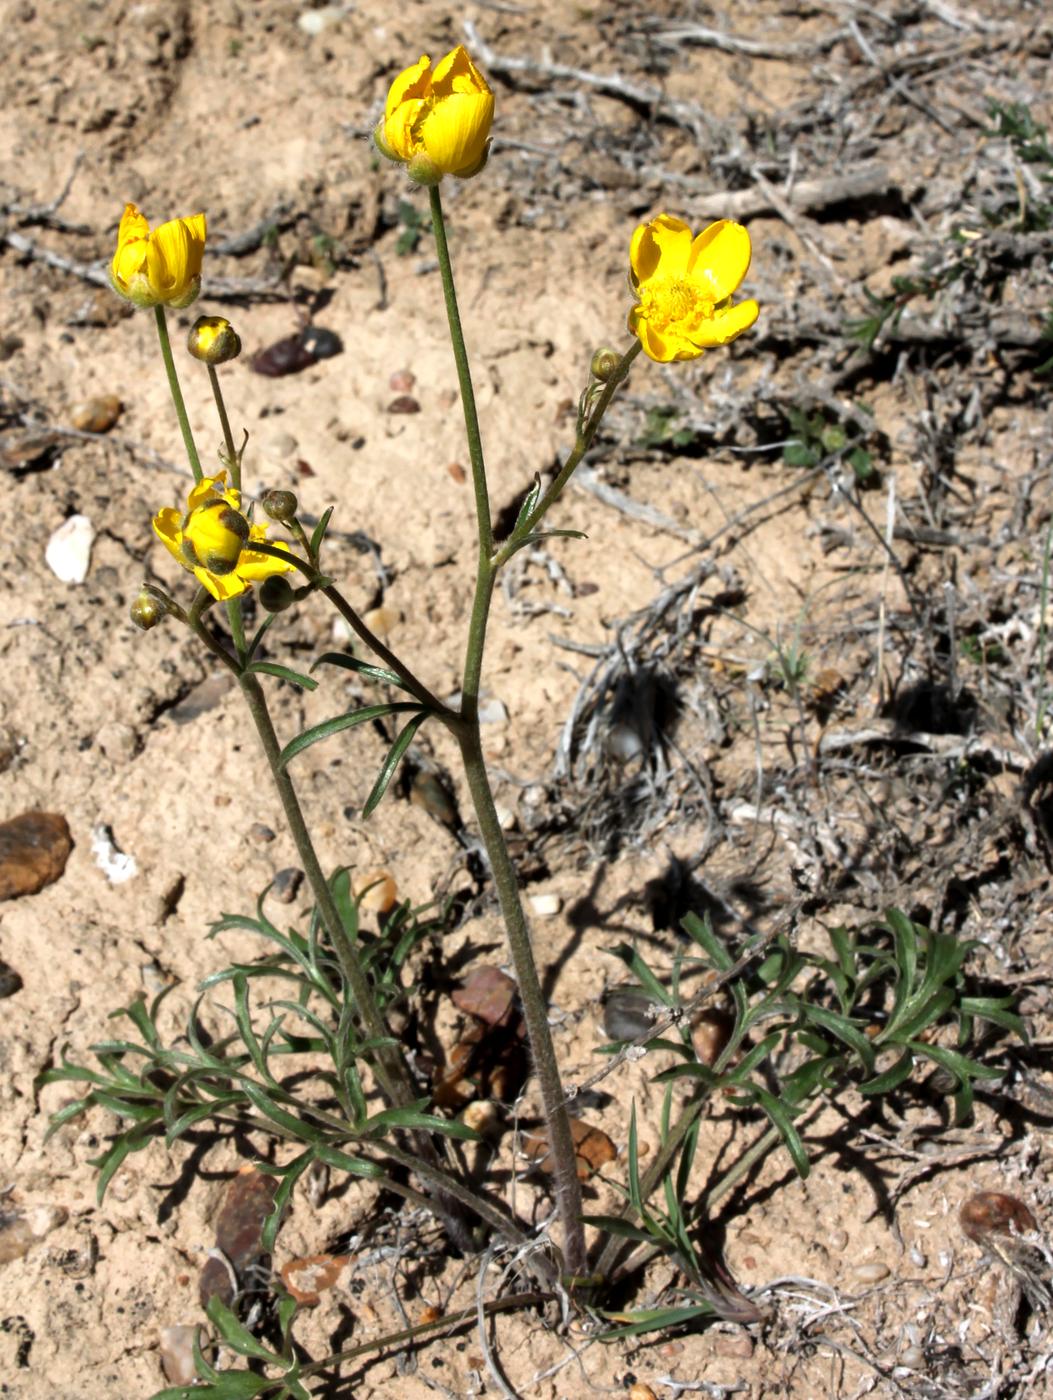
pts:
pixel 284 673
pixel 633 1154
pixel 783 1120
pixel 843 1029
pixel 318 534
pixel 651 1320
pixel 363 668
pixel 959 1065
pixel 615 1225
pixel 234 1333
pixel 996 1010
pixel 290 1176
pixel 890 1078
pixel 357 1166
pixel 529 502
pixel 110 1161
pixel 392 761
pixel 264 1104
pixel 701 930
pixel 643 974
pixel 339 723
pixel 414 1118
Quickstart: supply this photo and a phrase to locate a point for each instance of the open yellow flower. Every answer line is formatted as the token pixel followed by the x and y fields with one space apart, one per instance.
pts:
pixel 437 120
pixel 159 267
pixel 685 284
pixel 214 540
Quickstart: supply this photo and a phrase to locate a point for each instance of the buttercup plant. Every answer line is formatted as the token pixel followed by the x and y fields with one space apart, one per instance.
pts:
pixel 436 122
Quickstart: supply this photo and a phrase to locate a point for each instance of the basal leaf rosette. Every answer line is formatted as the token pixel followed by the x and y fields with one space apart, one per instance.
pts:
pixel 162 267
pixel 437 119
pixel 685 283
pixel 214 540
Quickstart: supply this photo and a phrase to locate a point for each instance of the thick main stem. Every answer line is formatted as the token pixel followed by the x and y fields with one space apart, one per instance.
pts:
pixel 176 392
pixel 560 1142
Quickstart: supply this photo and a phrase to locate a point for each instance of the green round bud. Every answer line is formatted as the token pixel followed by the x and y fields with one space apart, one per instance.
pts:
pixel 276 594
pixel 213 340
pixel 281 506
pixel 146 611
pixel 423 171
pixel 603 364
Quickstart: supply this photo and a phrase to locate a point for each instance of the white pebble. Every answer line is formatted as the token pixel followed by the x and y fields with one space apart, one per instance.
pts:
pixel 506 818
pixel 68 551
pixel 545 905
pixel 871 1273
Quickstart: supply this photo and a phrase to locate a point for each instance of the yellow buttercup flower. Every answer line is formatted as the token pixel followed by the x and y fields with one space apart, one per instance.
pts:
pixel 214 540
pixel 685 284
pixel 437 120
pixel 159 267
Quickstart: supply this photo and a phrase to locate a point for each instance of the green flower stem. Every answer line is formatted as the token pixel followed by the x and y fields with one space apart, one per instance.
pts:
pixel 176 392
pixel 464 377
pixel 391 1072
pixel 321 581
pixel 232 453
pixel 535 1013
pixel 466 729
pixel 586 432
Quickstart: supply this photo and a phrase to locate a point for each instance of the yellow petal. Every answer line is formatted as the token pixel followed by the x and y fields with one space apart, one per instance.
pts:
pixel 720 258
pixel 455 131
pixel 221 587
pixel 456 72
pixel 174 259
pixel 167 525
pixel 133 226
pixel 726 324
pixel 412 83
pixel 656 345
pixel 673 238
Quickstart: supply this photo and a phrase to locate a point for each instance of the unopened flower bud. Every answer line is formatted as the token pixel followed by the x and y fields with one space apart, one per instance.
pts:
pixel 214 535
pixel 281 505
pixel 214 340
pixel 603 364
pixel 146 611
pixel 382 144
pixel 276 594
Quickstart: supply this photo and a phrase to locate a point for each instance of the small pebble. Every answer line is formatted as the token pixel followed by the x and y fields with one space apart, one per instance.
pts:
pixel 308 1278
pixel 627 1014
pixel 914 1357
pixel 481 1116
pixel 405 403
pixel 871 1273
pixel 177 1354
pixel 458 473
pixel 492 711
pixel 313 22
pixel 202 698
pixel 287 884
pixel 123 1186
pixel 506 818
pixel 153 978
pixel 639 1391
pixel 114 863
pixel 117 741
pixel 382 621
pixel 402 381
pixel 96 415
pixel 738 1345
pixel 375 891
pixel 322 344
pixel 259 833
pixel 917 1258
pixel 280 445
pixel 34 848
pixel 20 1229
pixel 837 1239
pixel 545 905
pixel 68 551
pixel 10 980
pixel 286 356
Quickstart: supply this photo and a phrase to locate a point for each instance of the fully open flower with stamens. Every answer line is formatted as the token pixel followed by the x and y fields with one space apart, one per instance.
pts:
pixel 437 120
pixel 214 540
pixel 159 267
pixel 685 284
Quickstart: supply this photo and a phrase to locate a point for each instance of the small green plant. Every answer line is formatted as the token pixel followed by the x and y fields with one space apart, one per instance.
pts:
pixel 1030 145
pixel 412 226
pixel 660 430
pixel 887 1003
pixel 814 437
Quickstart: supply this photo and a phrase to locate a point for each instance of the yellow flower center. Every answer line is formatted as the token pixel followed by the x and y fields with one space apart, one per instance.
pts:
pixel 672 301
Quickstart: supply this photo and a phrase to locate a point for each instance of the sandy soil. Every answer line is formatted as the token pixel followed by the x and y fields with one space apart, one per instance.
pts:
pixel 260 115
